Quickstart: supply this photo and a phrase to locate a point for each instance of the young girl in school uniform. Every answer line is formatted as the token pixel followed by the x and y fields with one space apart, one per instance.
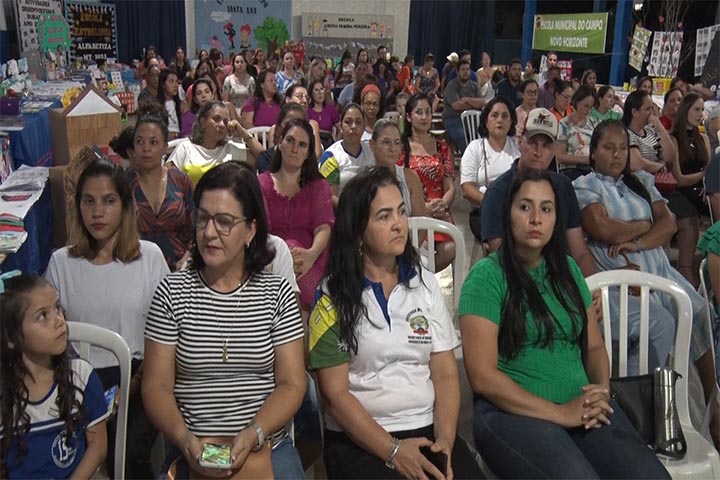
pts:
pixel 52 406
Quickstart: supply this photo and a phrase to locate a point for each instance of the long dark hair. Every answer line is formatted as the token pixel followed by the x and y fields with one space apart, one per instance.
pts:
pixel 309 170
pixel 161 92
pixel 243 184
pixel 633 101
pixel 685 134
pixel 344 271
pixel 407 132
pixel 523 295
pixel 194 106
pixel 485 113
pixel 286 109
pixel 602 91
pixel 583 92
pixel 14 393
pixel 628 178
pixel 310 88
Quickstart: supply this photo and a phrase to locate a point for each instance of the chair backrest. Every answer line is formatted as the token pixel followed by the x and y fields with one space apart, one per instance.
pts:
pixel 172 144
pixel 624 278
pixel 86 335
pixel 470 121
pixel 432 225
pixel 261 133
pixel 706 291
pixel 707 199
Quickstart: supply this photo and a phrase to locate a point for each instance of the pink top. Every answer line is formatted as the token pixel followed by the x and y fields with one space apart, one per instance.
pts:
pixel 265 115
pixel 295 220
pixel 327 118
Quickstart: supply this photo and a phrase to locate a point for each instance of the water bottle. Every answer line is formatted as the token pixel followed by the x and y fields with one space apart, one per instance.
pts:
pixel 669 438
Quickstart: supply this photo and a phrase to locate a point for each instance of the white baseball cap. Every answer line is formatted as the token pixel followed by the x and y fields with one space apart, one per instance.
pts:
pixel 541 121
pixel 453 57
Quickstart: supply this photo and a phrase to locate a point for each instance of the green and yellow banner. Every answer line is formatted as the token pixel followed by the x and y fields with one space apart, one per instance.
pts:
pixel 573 32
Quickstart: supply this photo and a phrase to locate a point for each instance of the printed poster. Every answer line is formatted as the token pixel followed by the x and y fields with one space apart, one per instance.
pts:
pixel 641 40
pixel 665 55
pixel 233 25
pixel 93 31
pixel 329 35
pixel 702 46
pixel 28 14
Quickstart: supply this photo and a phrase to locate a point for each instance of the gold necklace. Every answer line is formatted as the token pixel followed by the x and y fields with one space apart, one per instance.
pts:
pixel 225 355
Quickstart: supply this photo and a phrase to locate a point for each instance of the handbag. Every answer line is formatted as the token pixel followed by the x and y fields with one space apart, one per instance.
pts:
pixel 257 464
pixel 475 216
pixel 648 401
pixel 665 182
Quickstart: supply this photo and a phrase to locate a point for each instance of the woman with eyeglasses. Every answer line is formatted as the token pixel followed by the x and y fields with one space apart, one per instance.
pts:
pixel 491 155
pixel 323 112
pixel 563 93
pixel 297 93
pixel 431 160
pixel 371 102
pixel 575 130
pixel 529 90
pixel 299 206
pixel 318 73
pixel 224 340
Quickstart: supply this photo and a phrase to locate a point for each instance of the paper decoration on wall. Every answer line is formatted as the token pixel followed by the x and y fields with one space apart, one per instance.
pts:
pixel 665 55
pixel 641 40
pixel 702 46
pixel 28 14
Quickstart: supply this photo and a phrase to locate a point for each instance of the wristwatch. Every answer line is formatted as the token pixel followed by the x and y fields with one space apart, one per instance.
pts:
pixel 395 446
pixel 260 436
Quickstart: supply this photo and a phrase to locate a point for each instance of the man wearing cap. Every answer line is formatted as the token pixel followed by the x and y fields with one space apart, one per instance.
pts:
pixel 450 66
pixel 460 94
pixel 537 151
pixel 464 55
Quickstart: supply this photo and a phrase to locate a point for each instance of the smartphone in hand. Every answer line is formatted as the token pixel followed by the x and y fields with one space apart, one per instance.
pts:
pixel 110 394
pixel 438 459
pixel 215 455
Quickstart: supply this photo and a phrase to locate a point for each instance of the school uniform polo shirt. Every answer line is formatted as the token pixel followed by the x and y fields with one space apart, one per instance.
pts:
pixel 390 373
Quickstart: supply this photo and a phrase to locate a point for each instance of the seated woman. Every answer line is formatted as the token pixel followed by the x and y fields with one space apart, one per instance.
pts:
pixel 299 206
pixel 670 107
pixel 106 276
pixel 562 94
pixel 239 85
pixel 624 214
pixel 344 158
pixel 323 112
pixel 150 92
pixel 605 102
pixel 263 108
pixel 382 341
pixel 651 148
pixel 489 156
pixel 202 93
pixel 208 146
pixel 372 105
pixel 386 145
pixel 163 194
pixel 169 97
pixel 574 132
pixel 529 90
pixel 224 338
pixel 297 93
pixel 535 358
pixel 688 168
pixel 318 73
pixel 589 78
pixel 431 160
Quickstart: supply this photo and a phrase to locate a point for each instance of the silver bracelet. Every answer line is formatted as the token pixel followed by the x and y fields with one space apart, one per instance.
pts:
pixel 260 436
pixel 390 463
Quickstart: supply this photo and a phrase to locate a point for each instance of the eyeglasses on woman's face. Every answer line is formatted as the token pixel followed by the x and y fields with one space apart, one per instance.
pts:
pixel 224 222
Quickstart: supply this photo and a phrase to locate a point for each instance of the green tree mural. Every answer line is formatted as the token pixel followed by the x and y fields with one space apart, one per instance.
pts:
pixel 271 34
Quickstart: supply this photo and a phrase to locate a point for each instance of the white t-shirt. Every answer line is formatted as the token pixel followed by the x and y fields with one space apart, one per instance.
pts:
pixel 173 123
pixel 115 296
pixel 282 264
pixel 195 159
pixel 472 165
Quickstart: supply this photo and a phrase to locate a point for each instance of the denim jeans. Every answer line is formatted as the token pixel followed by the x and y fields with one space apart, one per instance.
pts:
pixel 514 446
pixel 454 128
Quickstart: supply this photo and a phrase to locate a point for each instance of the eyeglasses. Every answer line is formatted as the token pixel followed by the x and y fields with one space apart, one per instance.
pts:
pixel 301 95
pixel 388 142
pixel 371 105
pixel 531 92
pixel 224 222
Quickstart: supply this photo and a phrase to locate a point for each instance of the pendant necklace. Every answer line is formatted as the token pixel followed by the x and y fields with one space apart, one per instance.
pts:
pixel 226 333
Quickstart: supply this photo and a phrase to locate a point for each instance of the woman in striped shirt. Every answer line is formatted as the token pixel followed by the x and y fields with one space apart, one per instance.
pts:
pixel 224 338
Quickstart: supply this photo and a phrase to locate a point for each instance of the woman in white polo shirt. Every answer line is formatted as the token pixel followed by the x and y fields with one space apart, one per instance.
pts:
pixel 382 340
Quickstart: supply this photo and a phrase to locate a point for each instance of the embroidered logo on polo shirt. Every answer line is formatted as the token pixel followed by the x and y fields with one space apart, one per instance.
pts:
pixel 420 326
pixel 63 452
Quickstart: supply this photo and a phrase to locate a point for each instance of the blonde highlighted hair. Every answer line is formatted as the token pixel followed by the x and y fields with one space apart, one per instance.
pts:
pixel 127 244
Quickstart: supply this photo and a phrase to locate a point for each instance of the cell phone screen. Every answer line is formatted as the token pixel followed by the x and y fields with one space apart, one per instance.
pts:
pixel 215 455
pixel 438 459
pixel 110 398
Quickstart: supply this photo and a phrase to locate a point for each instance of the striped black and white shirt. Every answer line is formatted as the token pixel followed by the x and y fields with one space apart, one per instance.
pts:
pixel 218 398
pixel 648 143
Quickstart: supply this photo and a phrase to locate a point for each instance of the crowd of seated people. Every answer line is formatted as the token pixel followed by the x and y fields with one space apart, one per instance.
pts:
pixel 231 281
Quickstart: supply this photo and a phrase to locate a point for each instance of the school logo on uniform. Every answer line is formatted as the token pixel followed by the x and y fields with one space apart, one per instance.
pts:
pixel 420 326
pixel 63 452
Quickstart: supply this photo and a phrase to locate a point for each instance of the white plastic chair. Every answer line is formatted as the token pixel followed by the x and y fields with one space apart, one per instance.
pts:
pixel 87 334
pixel 701 460
pixel 470 121
pixel 433 225
pixel 261 133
